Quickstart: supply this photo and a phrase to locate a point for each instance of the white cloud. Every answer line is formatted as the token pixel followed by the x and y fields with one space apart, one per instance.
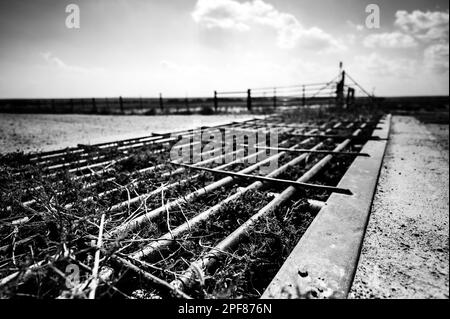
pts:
pixel 377 65
pixel 242 16
pixel 436 58
pixel 222 14
pixel 427 26
pixel 357 27
pixel 390 40
pixel 431 28
pixel 54 61
pixel 351 39
pixel 51 59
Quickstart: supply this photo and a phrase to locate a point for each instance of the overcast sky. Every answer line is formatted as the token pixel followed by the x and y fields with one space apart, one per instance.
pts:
pixel 179 47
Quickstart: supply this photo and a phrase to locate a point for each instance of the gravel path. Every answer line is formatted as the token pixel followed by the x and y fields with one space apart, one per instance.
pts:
pixel 406 248
pixel 34 132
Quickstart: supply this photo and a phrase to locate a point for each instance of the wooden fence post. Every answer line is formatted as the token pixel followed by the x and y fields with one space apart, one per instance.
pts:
pixel 303 96
pixel 340 91
pixel 274 98
pixel 216 102
pixel 121 104
pixel 350 96
pixel 94 106
pixel 161 103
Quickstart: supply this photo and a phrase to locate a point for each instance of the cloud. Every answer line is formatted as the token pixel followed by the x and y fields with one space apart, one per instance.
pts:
pixel 243 16
pixel 436 58
pixel 390 40
pixel 54 61
pixel 377 65
pixel 427 26
pixel 418 27
pixel 431 28
pixel 51 59
pixel 357 27
pixel 222 14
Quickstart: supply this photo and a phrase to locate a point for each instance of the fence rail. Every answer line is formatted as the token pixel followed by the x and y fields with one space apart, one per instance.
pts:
pixel 263 100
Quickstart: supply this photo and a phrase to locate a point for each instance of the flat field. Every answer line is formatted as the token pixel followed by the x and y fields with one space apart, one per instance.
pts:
pixel 44 132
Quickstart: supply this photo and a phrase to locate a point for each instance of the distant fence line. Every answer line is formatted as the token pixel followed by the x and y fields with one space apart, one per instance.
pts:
pixel 263 100
pixel 119 105
pixel 152 106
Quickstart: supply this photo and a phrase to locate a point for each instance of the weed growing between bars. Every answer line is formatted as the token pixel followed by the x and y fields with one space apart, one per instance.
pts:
pixel 200 240
pixel 61 221
pixel 247 271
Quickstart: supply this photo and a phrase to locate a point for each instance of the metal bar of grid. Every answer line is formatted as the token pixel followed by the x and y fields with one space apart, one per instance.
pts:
pixel 312 152
pixel 277 181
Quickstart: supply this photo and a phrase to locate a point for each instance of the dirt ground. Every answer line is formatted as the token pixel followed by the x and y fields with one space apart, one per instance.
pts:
pixel 34 132
pixel 406 248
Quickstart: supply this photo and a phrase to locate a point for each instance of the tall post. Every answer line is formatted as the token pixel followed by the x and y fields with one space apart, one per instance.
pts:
pixel 161 102
pixel 340 88
pixel 347 103
pixel 94 106
pixel 216 102
pixel 350 96
pixel 303 96
pixel 274 98
pixel 249 99
pixel 121 104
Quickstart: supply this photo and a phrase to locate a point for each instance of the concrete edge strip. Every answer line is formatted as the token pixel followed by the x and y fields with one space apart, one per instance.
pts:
pixel 324 262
